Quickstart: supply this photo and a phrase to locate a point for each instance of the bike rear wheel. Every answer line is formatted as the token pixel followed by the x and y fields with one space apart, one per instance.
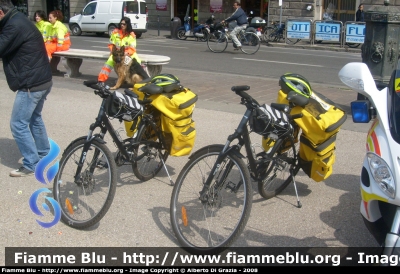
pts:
pixel 215 223
pixel 250 43
pixel 149 152
pixel 85 202
pixel 277 172
pixel 217 41
pixel 269 35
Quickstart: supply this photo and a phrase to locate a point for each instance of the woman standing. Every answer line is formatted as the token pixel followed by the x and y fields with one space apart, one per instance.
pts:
pixel 59 36
pixel 121 36
pixel 360 13
pixel 42 24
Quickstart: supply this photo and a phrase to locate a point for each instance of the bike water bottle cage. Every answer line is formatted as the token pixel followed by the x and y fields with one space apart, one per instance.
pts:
pixel 295 82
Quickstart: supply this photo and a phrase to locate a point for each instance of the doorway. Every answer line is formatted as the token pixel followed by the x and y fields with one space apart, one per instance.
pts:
pixel 342 10
pixel 62 5
pixel 253 5
pixel 181 7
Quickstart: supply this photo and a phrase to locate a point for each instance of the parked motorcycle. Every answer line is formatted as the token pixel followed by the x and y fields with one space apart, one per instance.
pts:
pixel 380 174
pixel 200 32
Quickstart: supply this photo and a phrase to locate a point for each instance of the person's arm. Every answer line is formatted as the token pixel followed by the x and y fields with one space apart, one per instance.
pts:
pixel 60 32
pixel 131 48
pixel 9 39
pixel 235 15
pixel 112 41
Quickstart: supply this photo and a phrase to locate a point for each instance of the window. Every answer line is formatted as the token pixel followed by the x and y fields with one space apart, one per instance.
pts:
pixel 90 9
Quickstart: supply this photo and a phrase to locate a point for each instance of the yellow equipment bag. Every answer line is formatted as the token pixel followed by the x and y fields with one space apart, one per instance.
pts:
pixel 320 124
pixel 317 160
pixel 176 120
pixel 176 110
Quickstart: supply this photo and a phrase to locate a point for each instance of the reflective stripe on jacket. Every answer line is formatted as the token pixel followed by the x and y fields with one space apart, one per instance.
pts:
pixel 59 34
pixel 118 39
pixel 44 28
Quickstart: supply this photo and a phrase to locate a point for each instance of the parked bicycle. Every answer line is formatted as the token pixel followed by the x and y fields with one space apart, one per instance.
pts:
pixel 218 40
pixel 212 197
pixel 277 32
pixel 86 182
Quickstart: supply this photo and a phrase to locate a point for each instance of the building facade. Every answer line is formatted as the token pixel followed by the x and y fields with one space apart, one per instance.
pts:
pixel 200 10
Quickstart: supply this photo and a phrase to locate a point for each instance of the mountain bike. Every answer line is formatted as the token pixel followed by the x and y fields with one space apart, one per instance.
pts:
pixel 212 197
pixel 86 181
pixel 276 33
pixel 218 41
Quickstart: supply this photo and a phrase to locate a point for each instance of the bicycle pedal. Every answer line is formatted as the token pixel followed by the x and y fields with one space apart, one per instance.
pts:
pixel 101 164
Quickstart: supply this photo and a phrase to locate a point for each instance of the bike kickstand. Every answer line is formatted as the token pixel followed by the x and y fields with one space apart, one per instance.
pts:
pixel 295 189
pixel 166 170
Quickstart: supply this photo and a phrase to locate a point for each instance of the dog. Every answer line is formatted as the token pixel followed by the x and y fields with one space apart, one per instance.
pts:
pixel 131 73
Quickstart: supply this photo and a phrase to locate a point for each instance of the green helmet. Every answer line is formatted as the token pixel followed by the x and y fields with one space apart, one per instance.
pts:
pixel 295 82
pixel 169 82
pixel 165 79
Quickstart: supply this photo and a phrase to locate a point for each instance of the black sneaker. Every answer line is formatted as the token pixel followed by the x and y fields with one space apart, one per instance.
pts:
pixel 21 172
pixel 237 48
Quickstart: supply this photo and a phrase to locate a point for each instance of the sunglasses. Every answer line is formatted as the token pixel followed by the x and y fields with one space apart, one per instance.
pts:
pixel 123 24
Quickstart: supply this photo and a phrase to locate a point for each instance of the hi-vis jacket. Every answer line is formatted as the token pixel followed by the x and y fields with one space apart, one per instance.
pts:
pixel 59 35
pixel 44 28
pixel 129 41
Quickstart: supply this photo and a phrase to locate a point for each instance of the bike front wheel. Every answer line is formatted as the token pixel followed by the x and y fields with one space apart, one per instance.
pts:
pixel 277 173
pixel 250 43
pixel 149 153
pixel 213 223
pixel 85 199
pixel 217 41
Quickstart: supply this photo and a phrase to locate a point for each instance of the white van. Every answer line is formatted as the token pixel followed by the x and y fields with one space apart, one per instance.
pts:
pixel 102 16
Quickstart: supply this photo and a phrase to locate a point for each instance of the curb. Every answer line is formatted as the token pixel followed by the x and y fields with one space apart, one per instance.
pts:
pixel 165 34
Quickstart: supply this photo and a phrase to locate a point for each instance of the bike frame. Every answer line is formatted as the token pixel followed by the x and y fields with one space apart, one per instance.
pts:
pixel 241 134
pixel 103 122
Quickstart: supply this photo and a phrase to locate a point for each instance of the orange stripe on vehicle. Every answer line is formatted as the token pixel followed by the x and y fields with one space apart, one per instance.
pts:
pixel 376 143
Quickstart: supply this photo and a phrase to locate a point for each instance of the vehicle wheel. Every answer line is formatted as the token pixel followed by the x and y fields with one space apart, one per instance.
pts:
pixel 111 28
pixel 250 43
pixel 100 34
pixel 205 35
pixel 85 202
pixel 268 35
pixel 76 30
pixel 352 45
pixel 181 34
pixel 138 34
pixel 277 172
pixel 149 152
pixel 216 222
pixel 217 41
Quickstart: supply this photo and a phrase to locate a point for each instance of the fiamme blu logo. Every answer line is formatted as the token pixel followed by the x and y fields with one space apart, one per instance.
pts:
pixel 46 177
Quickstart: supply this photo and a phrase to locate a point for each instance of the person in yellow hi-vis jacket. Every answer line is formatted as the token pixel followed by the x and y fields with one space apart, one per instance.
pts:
pixel 121 36
pixel 42 24
pixel 59 39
